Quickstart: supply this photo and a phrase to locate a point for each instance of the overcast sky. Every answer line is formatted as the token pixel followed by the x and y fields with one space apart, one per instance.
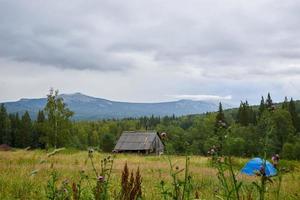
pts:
pixel 149 51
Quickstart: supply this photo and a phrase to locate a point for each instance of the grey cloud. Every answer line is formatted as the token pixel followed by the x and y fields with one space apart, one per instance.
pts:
pixel 239 37
pixel 286 72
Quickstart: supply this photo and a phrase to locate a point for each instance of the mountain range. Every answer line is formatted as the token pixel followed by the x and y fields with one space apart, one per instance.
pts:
pixel 92 108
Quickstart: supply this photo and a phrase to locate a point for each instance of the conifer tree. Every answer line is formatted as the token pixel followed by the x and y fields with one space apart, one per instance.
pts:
pixel 38 136
pixel 242 115
pixel 15 127
pixel 220 118
pixel 246 115
pixel 220 127
pixel 269 102
pixel 295 118
pixel 2 119
pixel 285 104
pixel 23 139
pixel 5 135
pixel 262 106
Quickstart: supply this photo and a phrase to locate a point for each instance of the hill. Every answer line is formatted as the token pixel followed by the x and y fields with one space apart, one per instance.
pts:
pixel 92 108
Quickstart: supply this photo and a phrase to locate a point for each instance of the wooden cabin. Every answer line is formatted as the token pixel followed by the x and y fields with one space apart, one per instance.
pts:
pixel 139 142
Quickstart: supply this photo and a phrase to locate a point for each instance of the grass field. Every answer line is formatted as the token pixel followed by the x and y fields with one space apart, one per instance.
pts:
pixel 24 174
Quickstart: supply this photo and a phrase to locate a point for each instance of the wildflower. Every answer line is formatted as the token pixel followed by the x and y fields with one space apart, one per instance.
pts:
pixel 100 179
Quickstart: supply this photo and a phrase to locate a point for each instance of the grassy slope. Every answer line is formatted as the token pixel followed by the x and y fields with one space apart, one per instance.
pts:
pixel 17 183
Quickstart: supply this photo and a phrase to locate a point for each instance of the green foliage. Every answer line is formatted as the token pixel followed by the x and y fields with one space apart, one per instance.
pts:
pixel 235 146
pixel 285 104
pixel 288 151
pixel 246 115
pixel 107 142
pixel 230 186
pixel 234 132
pixel 180 189
pixel 262 106
pixel 294 115
pixel 5 136
pixel 38 139
pixel 23 139
pixel 269 102
pixel 58 120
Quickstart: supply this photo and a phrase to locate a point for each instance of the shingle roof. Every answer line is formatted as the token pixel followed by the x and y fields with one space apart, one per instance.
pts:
pixel 135 140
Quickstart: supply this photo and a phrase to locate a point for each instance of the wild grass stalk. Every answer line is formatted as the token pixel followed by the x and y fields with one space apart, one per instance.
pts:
pixel 131 186
pixel 181 189
pixel 231 187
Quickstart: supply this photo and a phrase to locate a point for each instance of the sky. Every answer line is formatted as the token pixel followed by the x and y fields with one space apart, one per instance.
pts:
pixel 151 51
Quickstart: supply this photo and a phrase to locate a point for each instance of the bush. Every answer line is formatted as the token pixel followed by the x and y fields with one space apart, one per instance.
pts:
pixel 296 152
pixel 288 151
pixel 235 146
pixel 107 142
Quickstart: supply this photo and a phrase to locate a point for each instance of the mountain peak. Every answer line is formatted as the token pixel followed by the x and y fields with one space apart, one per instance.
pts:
pixel 74 94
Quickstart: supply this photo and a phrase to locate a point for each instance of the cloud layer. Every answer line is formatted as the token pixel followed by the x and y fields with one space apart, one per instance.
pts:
pixel 238 48
pixel 202 97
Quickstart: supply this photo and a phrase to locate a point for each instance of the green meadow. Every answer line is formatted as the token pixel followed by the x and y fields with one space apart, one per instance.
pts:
pixel 26 174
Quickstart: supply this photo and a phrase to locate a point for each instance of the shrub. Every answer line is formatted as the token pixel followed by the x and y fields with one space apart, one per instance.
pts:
pixel 288 151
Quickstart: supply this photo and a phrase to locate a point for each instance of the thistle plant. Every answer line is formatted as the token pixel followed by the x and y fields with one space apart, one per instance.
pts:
pixel 230 186
pixel 181 189
pixel 102 177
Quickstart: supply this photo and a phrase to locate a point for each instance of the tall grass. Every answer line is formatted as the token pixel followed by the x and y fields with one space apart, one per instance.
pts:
pixel 73 176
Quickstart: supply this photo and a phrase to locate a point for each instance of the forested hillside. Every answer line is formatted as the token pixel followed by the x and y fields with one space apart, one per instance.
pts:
pixel 241 132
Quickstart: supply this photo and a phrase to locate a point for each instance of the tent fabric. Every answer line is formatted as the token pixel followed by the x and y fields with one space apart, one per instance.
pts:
pixel 254 165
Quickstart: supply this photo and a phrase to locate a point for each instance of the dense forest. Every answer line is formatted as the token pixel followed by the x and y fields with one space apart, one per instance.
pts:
pixel 241 132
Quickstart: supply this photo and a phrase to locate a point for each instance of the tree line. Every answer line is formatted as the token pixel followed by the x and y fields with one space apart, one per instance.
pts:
pixel 240 132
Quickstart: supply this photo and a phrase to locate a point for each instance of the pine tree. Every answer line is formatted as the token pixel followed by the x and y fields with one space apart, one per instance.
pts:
pixel 23 139
pixel 262 106
pixel 269 102
pixel 242 117
pixel 220 127
pixel 38 136
pixel 246 115
pixel 5 133
pixel 285 104
pixel 2 119
pixel 220 118
pixel 295 118
pixel 15 127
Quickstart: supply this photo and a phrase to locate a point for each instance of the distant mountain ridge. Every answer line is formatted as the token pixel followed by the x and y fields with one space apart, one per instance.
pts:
pixel 92 108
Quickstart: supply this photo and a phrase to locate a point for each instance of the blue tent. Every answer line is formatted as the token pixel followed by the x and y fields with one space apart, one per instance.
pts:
pixel 254 165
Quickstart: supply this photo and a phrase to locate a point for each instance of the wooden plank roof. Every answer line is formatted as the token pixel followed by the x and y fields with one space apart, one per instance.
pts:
pixel 131 140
